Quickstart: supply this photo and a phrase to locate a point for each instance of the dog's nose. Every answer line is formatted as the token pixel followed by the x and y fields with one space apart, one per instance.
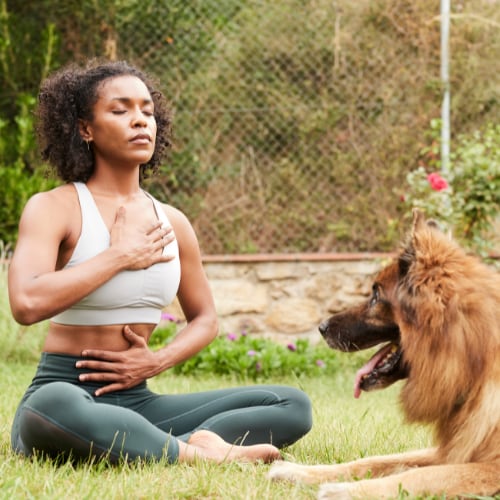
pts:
pixel 323 327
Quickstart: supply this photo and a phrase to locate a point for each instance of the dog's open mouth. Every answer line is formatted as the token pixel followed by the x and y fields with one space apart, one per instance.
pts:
pixel 383 369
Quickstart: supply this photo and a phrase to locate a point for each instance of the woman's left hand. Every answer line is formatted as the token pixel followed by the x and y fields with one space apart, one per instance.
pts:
pixel 123 369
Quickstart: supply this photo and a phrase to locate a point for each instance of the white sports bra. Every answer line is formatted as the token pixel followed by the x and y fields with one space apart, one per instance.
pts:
pixel 129 296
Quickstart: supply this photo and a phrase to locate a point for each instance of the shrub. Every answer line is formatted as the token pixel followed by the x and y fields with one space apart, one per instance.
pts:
pixel 20 177
pixel 465 200
pixel 249 357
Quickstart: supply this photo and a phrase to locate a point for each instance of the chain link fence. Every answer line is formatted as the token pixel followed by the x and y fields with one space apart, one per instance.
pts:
pixel 296 121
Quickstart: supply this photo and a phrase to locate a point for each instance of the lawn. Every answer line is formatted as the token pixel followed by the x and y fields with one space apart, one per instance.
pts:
pixel 344 428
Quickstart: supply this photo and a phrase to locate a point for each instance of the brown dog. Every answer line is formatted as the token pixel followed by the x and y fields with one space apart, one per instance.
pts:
pixel 439 310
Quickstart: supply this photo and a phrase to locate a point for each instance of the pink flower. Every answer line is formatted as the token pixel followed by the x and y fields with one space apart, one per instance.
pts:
pixel 320 363
pixel 168 317
pixel 231 337
pixel 251 353
pixel 437 182
pixel 292 347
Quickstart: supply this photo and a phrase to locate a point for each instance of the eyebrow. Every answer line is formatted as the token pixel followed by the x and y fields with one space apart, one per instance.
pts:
pixel 127 100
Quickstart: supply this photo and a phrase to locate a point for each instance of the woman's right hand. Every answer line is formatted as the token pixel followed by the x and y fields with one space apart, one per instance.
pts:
pixel 143 246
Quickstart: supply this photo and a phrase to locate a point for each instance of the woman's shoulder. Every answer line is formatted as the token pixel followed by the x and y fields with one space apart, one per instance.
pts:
pixel 60 198
pixel 61 193
pixel 174 215
pixel 181 224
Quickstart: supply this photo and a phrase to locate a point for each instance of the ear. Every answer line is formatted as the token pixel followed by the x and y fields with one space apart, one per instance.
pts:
pixel 418 220
pixel 434 224
pixel 85 130
pixel 408 253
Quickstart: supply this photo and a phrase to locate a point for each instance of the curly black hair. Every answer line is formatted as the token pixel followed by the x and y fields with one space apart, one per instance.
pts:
pixel 68 96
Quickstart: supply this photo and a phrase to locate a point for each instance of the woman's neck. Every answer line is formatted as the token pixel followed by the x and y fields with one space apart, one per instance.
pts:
pixel 115 183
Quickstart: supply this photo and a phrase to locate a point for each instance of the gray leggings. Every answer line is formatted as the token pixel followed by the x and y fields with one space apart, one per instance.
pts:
pixel 60 417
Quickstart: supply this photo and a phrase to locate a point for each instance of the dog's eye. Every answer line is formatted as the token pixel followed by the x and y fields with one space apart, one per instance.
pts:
pixel 375 295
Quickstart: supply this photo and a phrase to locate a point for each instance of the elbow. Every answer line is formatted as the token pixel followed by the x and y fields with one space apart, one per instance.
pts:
pixel 215 329
pixel 25 313
pixel 212 327
pixel 24 318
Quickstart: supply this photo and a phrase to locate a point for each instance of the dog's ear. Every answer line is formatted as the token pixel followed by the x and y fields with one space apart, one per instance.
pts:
pixel 420 223
pixel 418 220
pixel 434 224
pixel 408 253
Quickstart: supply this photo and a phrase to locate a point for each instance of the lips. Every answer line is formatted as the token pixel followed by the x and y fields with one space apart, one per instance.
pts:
pixel 141 139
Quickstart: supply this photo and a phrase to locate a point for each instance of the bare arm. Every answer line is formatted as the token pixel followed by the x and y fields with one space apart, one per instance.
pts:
pixel 37 289
pixel 195 298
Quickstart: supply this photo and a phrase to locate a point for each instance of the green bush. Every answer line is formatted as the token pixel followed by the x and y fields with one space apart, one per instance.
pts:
pixel 27 46
pixel 466 199
pixel 248 357
pixel 20 177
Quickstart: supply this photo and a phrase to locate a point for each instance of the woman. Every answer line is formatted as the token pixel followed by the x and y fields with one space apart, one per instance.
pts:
pixel 101 257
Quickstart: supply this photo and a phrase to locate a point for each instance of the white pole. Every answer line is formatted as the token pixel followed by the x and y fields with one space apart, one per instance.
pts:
pixel 445 79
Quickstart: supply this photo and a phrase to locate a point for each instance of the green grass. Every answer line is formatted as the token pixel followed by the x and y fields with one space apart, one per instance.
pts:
pixel 344 428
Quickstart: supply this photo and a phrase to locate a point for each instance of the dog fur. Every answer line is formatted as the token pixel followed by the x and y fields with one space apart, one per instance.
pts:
pixel 440 309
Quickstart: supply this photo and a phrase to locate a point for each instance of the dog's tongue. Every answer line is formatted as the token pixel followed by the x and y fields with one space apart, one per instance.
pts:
pixel 368 368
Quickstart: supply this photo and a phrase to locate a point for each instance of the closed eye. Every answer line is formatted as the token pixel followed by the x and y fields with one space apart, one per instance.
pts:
pixel 145 112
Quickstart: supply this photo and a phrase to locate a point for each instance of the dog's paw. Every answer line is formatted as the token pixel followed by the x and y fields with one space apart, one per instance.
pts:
pixel 334 491
pixel 282 470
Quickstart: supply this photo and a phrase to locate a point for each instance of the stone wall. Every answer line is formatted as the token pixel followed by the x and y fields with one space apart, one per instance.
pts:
pixel 286 297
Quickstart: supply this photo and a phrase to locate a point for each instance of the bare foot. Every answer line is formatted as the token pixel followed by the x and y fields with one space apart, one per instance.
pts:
pixel 208 445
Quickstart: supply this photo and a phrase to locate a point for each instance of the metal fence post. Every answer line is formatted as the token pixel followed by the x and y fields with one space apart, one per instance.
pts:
pixel 445 78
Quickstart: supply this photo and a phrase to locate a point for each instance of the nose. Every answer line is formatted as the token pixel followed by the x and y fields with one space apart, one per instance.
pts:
pixel 138 118
pixel 323 327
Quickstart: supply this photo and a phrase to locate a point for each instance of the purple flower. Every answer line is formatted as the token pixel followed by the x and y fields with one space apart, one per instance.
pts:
pixel 292 347
pixel 320 363
pixel 244 333
pixel 251 353
pixel 231 336
pixel 258 366
pixel 168 317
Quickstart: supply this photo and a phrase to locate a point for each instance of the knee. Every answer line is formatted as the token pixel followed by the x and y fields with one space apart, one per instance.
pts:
pixel 56 397
pixel 299 410
pixel 304 407
pixel 46 417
